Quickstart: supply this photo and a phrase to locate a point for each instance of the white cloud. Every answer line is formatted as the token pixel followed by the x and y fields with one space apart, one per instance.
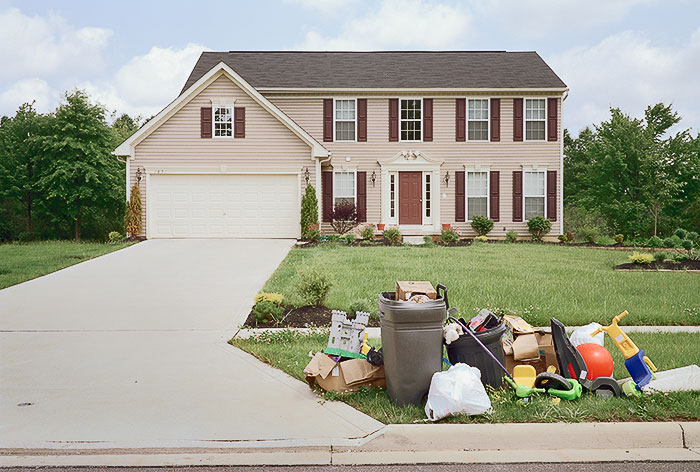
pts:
pixel 400 24
pixel 146 83
pixel 27 91
pixel 47 46
pixel 628 71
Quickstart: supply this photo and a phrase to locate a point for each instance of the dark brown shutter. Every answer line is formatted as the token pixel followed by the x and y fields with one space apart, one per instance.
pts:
pixel 517 195
pixel 205 122
pixel 393 119
pixel 518 120
pixel 552 112
pixel 362 119
pixel 552 195
pixel 495 119
pixel 328 119
pixel 461 119
pixel 459 195
pixel 427 119
pixel 495 194
pixel 327 184
pixel 239 122
pixel 362 196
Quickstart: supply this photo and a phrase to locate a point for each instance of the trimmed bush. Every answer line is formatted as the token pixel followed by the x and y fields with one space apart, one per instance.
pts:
pixel 672 242
pixel 265 312
pixel 680 233
pixel 562 238
pixel 271 297
pixel 511 236
pixel 481 239
pixel 309 213
pixel 115 237
pixel 448 236
pixel 367 233
pixel 619 238
pixel 655 242
pixel 605 241
pixel 538 227
pixel 393 235
pixel 482 225
pixel 640 258
pixel 313 285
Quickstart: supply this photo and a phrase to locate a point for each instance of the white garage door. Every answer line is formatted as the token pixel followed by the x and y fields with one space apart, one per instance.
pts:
pixel 223 206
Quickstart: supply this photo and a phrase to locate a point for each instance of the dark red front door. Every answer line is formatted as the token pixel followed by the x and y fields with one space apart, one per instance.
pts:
pixel 410 198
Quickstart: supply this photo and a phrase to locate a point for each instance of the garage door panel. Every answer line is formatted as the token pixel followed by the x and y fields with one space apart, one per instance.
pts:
pixel 220 206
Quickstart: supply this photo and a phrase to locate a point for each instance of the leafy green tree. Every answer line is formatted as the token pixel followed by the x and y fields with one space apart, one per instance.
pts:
pixel 81 176
pixel 124 126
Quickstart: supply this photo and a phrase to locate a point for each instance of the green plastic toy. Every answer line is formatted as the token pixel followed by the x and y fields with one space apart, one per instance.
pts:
pixel 523 391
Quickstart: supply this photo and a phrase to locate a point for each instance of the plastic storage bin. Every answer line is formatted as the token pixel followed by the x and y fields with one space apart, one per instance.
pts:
pixel 466 350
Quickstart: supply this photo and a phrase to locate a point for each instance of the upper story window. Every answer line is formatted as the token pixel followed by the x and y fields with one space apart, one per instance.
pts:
pixel 344 187
pixel 477 194
pixel 223 121
pixel 478 119
pixel 345 119
pixel 533 193
pixel 411 119
pixel 535 116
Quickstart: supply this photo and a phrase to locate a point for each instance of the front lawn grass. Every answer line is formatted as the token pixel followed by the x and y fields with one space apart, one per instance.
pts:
pixel 536 281
pixel 20 262
pixel 289 351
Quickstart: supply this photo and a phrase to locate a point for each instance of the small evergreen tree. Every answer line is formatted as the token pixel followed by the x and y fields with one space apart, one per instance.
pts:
pixel 132 219
pixel 309 212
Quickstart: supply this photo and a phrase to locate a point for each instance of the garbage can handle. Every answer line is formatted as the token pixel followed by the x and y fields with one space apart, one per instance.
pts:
pixel 444 294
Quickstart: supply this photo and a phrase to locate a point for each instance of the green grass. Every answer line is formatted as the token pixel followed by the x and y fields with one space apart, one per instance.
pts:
pixel 288 351
pixel 26 261
pixel 577 285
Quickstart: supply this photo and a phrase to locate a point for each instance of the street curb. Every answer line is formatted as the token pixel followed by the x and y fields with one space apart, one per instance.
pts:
pixel 401 444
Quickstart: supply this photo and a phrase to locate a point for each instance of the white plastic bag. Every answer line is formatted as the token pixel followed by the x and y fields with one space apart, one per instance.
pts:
pixel 582 335
pixel 457 390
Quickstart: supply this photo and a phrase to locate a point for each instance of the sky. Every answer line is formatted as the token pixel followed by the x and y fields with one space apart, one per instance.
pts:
pixel 134 57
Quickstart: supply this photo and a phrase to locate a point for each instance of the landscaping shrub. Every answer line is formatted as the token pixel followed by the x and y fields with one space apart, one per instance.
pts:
pixel 511 236
pixel 132 218
pixel 672 242
pixel 271 297
pixel 640 258
pixel 619 238
pixel 428 240
pixel 114 237
pixel 333 238
pixel 359 305
pixel 309 213
pixel 313 284
pixel 265 312
pixel 569 236
pixel 538 227
pixel 393 235
pixel 367 232
pixel 448 236
pixel 605 241
pixel 482 225
pixel 313 233
pixel 349 238
pixel 692 236
pixel 562 238
pixel 481 239
pixel 660 256
pixel 344 216
pixel 680 233
pixel 655 242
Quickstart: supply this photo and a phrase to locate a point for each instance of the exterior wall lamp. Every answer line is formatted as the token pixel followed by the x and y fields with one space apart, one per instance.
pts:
pixel 373 178
pixel 447 179
pixel 139 174
pixel 307 177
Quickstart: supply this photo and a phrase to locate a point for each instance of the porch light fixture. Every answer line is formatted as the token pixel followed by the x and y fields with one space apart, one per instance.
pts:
pixel 139 174
pixel 373 178
pixel 307 176
pixel 447 179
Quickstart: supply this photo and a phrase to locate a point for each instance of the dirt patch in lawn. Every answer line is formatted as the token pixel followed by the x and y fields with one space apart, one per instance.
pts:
pixel 665 265
pixel 301 317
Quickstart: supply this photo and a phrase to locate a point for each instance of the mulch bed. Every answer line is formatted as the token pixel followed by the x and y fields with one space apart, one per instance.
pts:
pixel 656 266
pixel 302 317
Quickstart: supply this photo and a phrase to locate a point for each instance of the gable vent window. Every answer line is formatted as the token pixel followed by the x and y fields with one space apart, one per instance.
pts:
pixel 345 120
pixel 411 120
pixel 535 116
pixel 223 122
pixel 478 120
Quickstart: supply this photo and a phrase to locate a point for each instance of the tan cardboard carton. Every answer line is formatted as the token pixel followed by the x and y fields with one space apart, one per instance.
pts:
pixel 535 349
pixel 405 290
pixel 346 376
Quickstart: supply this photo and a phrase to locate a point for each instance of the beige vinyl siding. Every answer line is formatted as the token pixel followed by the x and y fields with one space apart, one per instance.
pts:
pixel 504 156
pixel 176 146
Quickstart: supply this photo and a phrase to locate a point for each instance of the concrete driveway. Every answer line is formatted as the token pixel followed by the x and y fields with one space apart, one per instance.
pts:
pixel 129 349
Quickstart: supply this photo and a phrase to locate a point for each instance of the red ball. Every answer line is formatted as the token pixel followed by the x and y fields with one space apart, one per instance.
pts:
pixel 598 360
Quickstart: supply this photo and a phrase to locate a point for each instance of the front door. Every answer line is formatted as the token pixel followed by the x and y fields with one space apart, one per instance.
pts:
pixel 410 198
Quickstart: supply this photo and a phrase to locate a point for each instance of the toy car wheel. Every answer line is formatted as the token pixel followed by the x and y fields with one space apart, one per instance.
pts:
pixel 547 380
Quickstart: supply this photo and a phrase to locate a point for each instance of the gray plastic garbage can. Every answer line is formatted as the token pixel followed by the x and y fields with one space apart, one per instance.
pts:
pixel 466 350
pixel 411 345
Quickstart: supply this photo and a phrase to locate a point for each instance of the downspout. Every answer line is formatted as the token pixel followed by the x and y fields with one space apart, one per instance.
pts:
pixel 561 164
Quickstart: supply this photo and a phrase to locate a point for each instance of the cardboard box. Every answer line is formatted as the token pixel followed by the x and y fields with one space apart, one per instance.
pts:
pixel 405 290
pixel 535 349
pixel 346 376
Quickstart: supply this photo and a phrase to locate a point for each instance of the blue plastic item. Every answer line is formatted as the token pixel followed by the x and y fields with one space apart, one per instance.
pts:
pixel 639 370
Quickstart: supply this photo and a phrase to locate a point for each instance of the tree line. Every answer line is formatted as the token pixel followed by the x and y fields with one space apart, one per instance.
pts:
pixel 58 178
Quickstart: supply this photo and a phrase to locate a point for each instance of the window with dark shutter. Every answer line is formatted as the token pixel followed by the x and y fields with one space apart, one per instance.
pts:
pixel 494 195
pixel 517 195
pixel 205 122
pixel 327 119
pixel 495 119
pixel 552 195
pixel 361 196
pixel 427 119
pixel 239 122
pixel 327 194
pixel 362 119
pixel 461 119
pixel 552 112
pixel 459 196
pixel 393 119
pixel 517 119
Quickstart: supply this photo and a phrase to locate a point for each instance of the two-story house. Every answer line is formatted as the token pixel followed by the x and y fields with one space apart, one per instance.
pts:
pixel 414 139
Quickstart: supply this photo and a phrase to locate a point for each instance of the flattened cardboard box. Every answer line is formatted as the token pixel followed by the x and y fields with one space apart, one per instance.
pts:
pixel 405 290
pixel 535 349
pixel 346 376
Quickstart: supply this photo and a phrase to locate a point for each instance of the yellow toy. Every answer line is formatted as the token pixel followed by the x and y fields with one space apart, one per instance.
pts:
pixel 365 347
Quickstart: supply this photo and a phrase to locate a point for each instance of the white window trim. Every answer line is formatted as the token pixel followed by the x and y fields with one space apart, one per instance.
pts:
pixel 344 171
pixel 335 120
pixel 525 120
pixel 533 171
pixel 488 192
pixel 422 131
pixel 427 220
pixel 213 118
pixel 488 120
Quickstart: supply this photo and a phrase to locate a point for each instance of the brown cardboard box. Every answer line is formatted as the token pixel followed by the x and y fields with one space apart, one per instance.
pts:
pixel 405 290
pixel 346 376
pixel 535 349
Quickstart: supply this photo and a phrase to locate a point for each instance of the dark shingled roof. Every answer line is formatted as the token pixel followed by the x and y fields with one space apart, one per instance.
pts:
pixel 390 70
